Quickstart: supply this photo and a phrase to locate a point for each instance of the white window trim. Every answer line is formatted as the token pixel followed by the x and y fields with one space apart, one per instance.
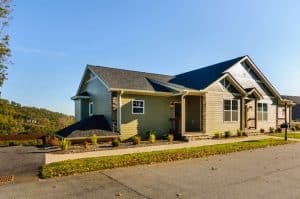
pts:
pixel 138 107
pixel 231 111
pixel 91 112
pixel 262 112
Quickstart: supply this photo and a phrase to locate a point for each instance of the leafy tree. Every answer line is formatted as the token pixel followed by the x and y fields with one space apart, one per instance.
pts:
pixel 5 10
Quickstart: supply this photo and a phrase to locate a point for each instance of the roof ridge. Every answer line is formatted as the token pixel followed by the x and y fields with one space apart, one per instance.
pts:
pixel 229 60
pixel 134 71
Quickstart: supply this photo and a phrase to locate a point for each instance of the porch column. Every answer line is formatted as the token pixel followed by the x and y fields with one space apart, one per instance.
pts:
pixel 119 112
pixel 256 113
pixel 182 115
pixel 291 114
pixel 277 106
pixel 243 113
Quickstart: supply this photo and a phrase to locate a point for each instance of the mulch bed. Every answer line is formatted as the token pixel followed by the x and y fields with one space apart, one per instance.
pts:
pixel 108 146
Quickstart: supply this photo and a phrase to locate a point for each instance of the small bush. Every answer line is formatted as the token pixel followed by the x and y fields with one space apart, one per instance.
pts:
pixel 217 135
pixel 136 140
pixel 297 126
pixel 293 129
pixel 115 142
pixel 65 144
pixel 85 144
pixel 271 130
pixel 170 138
pixel 227 134
pixel 94 139
pixel 279 130
pixel 239 133
pixel 53 141
pixel 262 130
pixel 245 134
pixel 152 138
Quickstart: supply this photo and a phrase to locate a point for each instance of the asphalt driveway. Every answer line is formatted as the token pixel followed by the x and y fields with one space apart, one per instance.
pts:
pixel 22 162
pixel 272 172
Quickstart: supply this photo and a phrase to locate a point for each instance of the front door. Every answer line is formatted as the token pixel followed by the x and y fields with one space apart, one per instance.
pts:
pixel 177 119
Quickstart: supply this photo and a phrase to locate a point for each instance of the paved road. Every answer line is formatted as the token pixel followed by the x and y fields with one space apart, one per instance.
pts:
pixel 265 173
pixel 22 162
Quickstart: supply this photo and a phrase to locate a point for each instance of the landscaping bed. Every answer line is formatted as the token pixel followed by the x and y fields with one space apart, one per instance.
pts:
pixel 79 148
pixel 70 167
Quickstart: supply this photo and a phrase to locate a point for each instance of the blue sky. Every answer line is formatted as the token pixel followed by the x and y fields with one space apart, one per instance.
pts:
pixel 52 41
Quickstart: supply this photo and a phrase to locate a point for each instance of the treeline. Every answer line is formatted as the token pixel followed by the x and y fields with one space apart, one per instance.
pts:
pixel 15 119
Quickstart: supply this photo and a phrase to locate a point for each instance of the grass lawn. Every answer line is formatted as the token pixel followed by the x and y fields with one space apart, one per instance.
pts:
pixel 295 135
pixel 70 167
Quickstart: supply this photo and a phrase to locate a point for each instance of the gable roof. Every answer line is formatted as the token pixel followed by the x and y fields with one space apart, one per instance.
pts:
pixel 128 79
pixel 201 78
pixel 295 99
pixel 196 80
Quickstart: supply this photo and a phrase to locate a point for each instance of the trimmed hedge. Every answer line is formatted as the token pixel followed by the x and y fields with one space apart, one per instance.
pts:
pixel 70 167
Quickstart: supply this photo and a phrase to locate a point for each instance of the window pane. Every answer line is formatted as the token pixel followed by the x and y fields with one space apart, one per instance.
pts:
pixel 227 105
pixel 265 115
pixel 235 116
pixel 260 116
pixel 265 108
pixel 227 116
pixel 235 105
pixel 260 107
pixel 134 103
pixel 137 110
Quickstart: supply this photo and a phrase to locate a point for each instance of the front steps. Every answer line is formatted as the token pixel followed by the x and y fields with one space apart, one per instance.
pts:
pixel 196 136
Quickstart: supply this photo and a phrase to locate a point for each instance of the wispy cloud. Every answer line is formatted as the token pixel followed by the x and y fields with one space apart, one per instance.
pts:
pixel 43 52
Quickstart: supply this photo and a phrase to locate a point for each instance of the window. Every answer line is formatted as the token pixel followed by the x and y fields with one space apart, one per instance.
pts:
pixel 91 108
pixel 262 111
pixel 138 106
pixel 231 110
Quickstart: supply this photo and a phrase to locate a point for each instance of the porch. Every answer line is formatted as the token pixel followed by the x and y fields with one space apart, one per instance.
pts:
pixel 187 116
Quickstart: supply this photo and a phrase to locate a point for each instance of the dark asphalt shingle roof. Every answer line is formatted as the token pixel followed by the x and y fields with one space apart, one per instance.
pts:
pixel 127 79
pixel 295 99
pixel 196 79
pixel 96 124
pixel 203 77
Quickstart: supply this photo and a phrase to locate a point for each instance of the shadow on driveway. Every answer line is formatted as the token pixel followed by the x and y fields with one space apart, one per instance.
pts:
pixel 22 162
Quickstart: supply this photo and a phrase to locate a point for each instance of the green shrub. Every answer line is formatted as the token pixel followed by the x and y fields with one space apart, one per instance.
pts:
pixel 262 130
pixel 245 134
pixel 170 138
pixel 239 133
pixel 217 135
pixel 65 144
pixel 227 134
pixel 271 130
pixel 279 130
pixel 115 142
pixel 94 139
pixel 293 129
pixel 136 140
pixel 152 138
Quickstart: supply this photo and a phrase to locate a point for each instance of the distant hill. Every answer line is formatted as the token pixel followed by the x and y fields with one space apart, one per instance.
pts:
pixel 15 119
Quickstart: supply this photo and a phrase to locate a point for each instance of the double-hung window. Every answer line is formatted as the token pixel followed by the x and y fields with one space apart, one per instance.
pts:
pixel 231 110
pixel 262 111
pixel 138 106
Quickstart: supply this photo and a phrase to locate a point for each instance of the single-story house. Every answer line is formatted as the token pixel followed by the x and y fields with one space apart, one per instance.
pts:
pixel 296 108
pixel 226 96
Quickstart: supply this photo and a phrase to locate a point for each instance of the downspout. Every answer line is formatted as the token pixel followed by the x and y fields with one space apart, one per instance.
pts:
pixel 120 110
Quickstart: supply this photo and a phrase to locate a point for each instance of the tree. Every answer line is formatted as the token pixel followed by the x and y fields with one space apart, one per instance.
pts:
pixel 5 10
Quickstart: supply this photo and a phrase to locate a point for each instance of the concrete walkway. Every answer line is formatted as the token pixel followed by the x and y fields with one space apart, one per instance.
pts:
pixel 51 157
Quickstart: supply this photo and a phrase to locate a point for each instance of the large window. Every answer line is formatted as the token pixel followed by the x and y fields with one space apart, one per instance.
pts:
pixel 231 110
pixel 138 106
pixel 91 111
pixel 262 112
